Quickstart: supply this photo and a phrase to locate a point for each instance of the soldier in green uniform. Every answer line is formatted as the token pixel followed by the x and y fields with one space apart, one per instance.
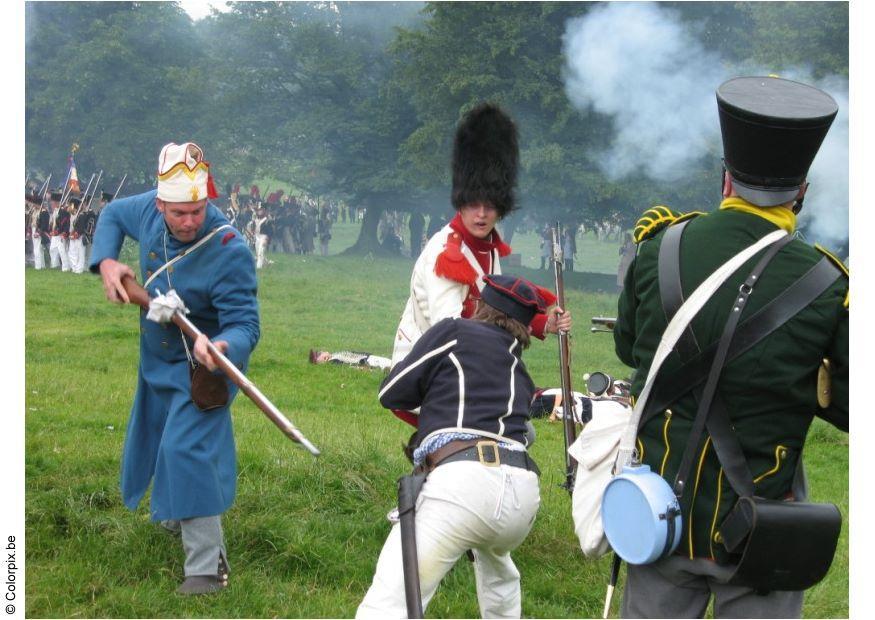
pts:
pixel 772 129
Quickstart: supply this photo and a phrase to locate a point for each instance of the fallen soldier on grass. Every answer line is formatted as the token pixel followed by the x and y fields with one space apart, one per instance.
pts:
pixel 350 358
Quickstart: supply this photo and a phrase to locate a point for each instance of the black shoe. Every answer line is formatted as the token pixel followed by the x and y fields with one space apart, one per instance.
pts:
pixel 206 584
pixel 202 584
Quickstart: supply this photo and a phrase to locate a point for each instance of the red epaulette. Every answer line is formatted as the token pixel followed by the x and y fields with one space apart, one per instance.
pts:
pixel 452 264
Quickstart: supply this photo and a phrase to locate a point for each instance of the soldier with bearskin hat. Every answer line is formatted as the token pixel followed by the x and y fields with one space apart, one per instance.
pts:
pixel 180 438
pixel 448 274
pixel 788 361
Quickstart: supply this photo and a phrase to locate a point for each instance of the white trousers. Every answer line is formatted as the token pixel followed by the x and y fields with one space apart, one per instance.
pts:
pixel 58 253
pixel 463 505
pixel 76 254
pixel 39 259
pixel 260 250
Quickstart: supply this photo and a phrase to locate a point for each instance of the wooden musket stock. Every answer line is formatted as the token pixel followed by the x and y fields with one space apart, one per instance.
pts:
pixel 139 296
pixel 569 427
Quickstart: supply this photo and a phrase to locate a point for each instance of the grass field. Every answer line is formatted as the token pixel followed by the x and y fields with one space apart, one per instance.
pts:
pixel 304 534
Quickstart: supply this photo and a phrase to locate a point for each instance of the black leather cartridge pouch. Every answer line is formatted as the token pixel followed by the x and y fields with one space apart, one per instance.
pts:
pixel 208 391
pixel 781 545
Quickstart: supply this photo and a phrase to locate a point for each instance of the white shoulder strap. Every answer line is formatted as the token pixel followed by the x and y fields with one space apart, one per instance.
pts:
pixel 185 252
pixel 673 332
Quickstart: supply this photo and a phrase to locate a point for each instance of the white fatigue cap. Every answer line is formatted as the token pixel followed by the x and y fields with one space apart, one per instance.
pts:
pixel 183 175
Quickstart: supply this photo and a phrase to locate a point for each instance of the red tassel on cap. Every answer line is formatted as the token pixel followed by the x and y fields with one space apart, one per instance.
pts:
pixel 547 295
pixel 211 187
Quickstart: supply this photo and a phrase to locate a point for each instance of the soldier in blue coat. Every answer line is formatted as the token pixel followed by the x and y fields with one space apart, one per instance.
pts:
pixel 185 244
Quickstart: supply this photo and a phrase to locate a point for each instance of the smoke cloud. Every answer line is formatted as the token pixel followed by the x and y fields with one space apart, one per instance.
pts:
pixel 638 63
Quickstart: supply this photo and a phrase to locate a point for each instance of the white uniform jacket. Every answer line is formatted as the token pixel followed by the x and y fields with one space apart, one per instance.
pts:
pixel 434 297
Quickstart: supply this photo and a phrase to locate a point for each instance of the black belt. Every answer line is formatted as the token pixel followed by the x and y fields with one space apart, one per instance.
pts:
pixel 492 455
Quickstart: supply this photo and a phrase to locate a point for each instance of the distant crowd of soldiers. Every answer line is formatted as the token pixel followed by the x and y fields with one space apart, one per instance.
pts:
pixel 284 223
pixel 62 223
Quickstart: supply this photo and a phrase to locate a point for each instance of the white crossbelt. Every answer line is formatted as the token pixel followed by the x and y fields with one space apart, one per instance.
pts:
pixel 185 252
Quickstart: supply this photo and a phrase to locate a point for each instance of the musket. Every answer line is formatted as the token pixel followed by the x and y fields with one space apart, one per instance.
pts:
pixel 87 200
pixel 568 419
pixel 65 193
pixel 603 324
pixel 114 196
pixel 84 196
pixel 41 192
pixel 139 296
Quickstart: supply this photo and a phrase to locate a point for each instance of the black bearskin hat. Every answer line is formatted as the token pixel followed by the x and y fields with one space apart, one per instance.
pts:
pixel 485 159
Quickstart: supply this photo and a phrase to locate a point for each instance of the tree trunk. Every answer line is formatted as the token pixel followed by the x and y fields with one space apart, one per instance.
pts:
pixel 508 227
pixel 367 243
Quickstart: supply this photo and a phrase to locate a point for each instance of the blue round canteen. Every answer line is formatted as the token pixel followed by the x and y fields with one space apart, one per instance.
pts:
pixel 641 515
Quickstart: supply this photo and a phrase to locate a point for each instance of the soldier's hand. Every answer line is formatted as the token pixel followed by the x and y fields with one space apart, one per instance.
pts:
pixel 112 272
pixel 558 320
pixel 202 352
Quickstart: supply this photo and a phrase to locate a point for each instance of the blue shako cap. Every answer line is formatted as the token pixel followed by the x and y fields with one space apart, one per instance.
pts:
pixel 516 297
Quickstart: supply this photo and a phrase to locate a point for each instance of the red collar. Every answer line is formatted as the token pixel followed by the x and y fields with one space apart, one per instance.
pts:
pixel 494 241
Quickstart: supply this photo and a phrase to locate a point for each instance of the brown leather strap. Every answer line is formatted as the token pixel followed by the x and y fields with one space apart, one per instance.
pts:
pixel 434 459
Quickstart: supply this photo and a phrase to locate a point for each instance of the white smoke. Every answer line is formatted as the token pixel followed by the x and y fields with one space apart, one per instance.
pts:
pixel 638 63
pixel 826 213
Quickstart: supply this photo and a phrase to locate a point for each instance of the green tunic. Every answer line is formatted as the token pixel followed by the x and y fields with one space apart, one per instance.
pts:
pixel 770 391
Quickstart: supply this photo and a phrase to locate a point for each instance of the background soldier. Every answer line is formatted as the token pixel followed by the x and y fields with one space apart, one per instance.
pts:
pixel 41 236
pixel 76 244
pixel 262 230
pixel 59 225
pixel 772 129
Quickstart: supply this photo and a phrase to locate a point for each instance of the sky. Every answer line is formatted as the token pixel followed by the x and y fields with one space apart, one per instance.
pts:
pixel 201 8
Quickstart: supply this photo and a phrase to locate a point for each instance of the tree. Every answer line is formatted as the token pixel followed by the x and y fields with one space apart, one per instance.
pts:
pixel 114 77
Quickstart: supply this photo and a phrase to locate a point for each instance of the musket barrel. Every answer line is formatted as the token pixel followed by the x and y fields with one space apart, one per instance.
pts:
pixel 246 386
pixel 114 196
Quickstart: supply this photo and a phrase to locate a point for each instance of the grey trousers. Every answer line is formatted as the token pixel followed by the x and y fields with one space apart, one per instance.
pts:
pixel 204 543
pixel 677 587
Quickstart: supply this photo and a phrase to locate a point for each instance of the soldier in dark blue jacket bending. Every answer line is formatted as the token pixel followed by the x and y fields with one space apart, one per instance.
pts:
pixel 469 382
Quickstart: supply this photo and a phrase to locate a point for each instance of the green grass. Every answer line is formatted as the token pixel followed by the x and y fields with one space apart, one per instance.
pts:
pixel 304 534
